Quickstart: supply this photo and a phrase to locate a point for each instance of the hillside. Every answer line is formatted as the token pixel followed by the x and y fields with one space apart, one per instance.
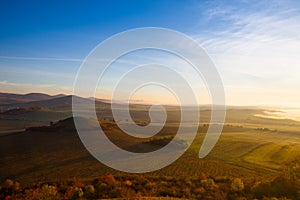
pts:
pixel 251 150
pixel 56 153
pixel 9 98
pixel 251 147
pixel 57 103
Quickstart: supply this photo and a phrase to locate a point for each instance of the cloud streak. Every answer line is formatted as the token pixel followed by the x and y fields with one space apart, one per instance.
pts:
pixel 256 39
pixel 41 58
pixel 21 88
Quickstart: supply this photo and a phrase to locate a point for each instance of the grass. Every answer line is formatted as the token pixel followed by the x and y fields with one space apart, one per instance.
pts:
pixel 10 122
pixel 248 147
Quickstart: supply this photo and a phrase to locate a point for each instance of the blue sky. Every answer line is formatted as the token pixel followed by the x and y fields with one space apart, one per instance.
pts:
pixel 254 44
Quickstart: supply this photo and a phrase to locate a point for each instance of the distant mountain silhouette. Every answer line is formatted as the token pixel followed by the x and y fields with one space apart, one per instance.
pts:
pixel 8 98
pixel 57 103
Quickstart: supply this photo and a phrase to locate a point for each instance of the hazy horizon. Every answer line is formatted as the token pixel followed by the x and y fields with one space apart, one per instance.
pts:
pixel 142 102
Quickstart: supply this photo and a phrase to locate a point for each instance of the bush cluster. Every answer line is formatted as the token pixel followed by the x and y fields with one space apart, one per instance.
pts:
pixel 286 186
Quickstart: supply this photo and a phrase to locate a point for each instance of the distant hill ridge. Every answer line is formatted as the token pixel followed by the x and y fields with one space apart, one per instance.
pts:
pixel 59 102
pixel 9 98
pixel 12 101
pixel 54 103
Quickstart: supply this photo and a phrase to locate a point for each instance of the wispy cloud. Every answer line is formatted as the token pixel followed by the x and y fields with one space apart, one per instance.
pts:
pixel 41 58
pixel 12 87
pixel 256 39
pixel 255 45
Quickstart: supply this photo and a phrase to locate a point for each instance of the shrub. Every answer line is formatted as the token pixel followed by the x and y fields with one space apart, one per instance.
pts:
pixel 8 184
pixel 128 183
pixel 89 191
pixel 209 184
pixel 237 185
pixel 77 193
pixel 109 179
pixel 48 192
pixel 279 187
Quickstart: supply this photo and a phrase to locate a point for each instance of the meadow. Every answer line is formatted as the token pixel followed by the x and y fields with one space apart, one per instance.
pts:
pixel 250 148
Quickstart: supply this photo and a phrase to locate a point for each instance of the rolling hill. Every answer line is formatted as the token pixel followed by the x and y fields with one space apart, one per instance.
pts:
pixel 9 98
pixel 250 146
pixel 63 103
pixel 55 153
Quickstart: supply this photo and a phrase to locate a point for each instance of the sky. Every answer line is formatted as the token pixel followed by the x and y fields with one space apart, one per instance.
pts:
pixel 255 45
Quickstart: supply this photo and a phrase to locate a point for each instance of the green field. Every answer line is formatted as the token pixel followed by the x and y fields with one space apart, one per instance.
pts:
pixel 250 147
